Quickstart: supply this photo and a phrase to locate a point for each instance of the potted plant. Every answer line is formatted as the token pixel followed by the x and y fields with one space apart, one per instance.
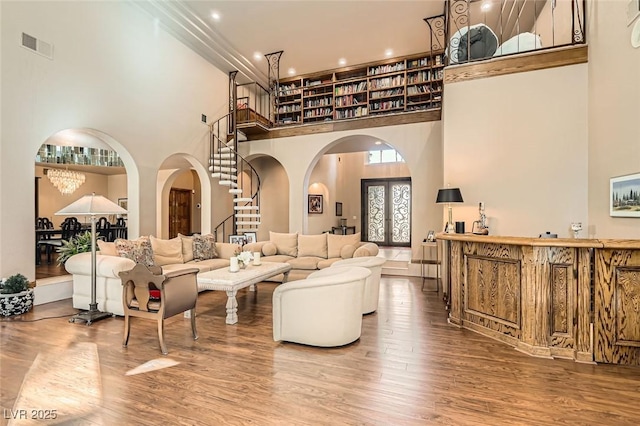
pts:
pixel 15 295
pixel 80 243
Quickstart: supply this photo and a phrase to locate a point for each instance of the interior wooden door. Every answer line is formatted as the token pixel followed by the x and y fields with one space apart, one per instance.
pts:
pixel 179 212
pixel 386 211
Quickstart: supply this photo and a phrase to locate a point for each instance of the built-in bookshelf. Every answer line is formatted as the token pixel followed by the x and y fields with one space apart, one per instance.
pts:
pixel 412 83
pixel 289 103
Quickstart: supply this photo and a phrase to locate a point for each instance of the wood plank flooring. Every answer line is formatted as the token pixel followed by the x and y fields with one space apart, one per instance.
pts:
pixel 409 368
pixel 46 270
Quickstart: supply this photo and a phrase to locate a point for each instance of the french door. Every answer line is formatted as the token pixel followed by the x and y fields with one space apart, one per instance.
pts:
pixel 386 211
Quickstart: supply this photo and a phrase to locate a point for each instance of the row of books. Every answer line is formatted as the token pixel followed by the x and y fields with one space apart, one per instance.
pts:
pixel 387 93
pixel 351 88
pixel 396 103
pixel 349 100
pixel 321 91
pixel 318 112
pixel 288 108
pixel 384 69
pixel 352 113
pixel 421 76
pixel 318 102
pixel 381 83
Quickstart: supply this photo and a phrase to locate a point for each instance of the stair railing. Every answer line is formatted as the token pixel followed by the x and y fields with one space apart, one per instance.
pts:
pixel 247 178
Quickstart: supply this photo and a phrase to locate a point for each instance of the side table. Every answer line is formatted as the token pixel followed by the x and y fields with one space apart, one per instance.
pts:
pixel 430 257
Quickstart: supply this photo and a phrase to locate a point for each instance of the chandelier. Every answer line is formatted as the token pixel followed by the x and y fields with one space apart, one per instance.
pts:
pixel 67 181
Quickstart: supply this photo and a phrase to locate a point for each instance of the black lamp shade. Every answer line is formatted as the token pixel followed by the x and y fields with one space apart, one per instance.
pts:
pixel 449 195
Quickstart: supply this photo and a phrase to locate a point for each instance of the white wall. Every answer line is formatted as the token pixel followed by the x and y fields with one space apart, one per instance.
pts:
pixel 614 114
pixel 274 197
pixel 419 143
pixel 113 71
pixel 518 143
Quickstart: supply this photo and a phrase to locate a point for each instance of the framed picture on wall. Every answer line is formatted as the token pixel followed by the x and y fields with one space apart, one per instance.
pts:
pixel 624 196
pixel 237 239
pixel 338 209
pixel 315 203
pixel 124 203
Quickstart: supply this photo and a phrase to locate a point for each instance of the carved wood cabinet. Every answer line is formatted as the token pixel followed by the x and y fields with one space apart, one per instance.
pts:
pixel 565 298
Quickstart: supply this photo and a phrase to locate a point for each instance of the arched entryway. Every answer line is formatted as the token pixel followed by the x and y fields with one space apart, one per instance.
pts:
pixel 102 166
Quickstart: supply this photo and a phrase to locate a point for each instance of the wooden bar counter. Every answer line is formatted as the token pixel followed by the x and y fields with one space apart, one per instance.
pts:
pixel 548 297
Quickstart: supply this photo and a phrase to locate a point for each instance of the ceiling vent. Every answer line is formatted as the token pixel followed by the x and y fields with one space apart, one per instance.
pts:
pixel 38 46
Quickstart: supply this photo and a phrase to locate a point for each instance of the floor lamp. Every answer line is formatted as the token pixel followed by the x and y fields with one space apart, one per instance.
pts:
pixel 449 195
pixel 91 205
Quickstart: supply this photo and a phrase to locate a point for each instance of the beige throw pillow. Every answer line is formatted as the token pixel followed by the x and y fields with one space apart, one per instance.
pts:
pixel 347 251
pixel 166 252
pixel 269 249
pixel 312 245
pixel 336 242
pixel 107 249
pixel 285 243
pixel 187 248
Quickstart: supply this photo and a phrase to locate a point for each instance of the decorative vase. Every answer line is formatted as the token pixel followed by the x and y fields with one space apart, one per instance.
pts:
pixel 241 264
pixel 16 303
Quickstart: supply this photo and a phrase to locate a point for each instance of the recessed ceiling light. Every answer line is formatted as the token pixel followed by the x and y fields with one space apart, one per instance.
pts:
pixel 257 56
pixel 378 143
pixel 292 71
pixel 342 62
pixel 388 52
pixel 485 6
pixel 215 15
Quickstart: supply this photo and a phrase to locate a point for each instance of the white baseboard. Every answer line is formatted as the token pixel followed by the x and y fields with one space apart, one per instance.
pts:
pixel 53 289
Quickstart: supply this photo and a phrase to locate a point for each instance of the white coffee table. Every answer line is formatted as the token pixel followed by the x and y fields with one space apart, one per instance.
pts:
pixel 224 280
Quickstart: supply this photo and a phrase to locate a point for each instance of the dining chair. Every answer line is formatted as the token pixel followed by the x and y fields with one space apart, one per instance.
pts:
pixel 42 223
pixel 103 229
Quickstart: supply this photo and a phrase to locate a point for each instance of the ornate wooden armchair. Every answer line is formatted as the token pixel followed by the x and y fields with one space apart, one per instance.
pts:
pixel 177 291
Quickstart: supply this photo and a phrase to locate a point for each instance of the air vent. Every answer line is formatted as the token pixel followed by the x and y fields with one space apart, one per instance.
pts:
pixel 37 46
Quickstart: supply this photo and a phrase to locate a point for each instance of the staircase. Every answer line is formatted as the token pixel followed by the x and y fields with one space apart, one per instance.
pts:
pixel 234 172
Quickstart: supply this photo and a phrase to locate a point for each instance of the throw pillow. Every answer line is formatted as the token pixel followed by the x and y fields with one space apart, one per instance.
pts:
pixel 285 243
pixel 204 247
pixel 312 245
pixel 107 249
pixel 336 242
pixel 139 250
pixel 269 249
pixel 347 251
pixel 166 252
pixel 187 248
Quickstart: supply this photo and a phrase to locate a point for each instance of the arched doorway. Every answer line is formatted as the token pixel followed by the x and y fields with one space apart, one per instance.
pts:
pixel 184 197
pixel 372 184
pixel 98 163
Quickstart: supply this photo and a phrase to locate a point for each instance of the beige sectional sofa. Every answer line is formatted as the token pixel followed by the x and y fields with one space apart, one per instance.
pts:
pixel 309 253
pixel 174 254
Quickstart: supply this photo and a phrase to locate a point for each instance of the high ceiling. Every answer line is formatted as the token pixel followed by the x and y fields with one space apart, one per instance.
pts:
pixel 313 34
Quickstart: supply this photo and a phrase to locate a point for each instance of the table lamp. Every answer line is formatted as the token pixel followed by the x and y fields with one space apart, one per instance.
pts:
pixel 91 205
pixel 449 195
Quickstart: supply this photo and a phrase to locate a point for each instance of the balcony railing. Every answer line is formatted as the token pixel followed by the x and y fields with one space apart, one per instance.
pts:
pixel 78 155
pixel 476 30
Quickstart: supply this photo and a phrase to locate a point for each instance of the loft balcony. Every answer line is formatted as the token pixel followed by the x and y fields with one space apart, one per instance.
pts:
pixel 470 39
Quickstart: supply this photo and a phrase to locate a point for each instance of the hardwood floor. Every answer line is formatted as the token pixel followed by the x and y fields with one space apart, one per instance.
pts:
pixel 46 270
pixel 409 368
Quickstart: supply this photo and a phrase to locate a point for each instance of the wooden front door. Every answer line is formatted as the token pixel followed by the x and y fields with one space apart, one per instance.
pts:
pixel 179 212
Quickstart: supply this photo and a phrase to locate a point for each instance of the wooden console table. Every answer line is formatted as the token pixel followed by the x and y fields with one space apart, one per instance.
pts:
pixel 548 297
